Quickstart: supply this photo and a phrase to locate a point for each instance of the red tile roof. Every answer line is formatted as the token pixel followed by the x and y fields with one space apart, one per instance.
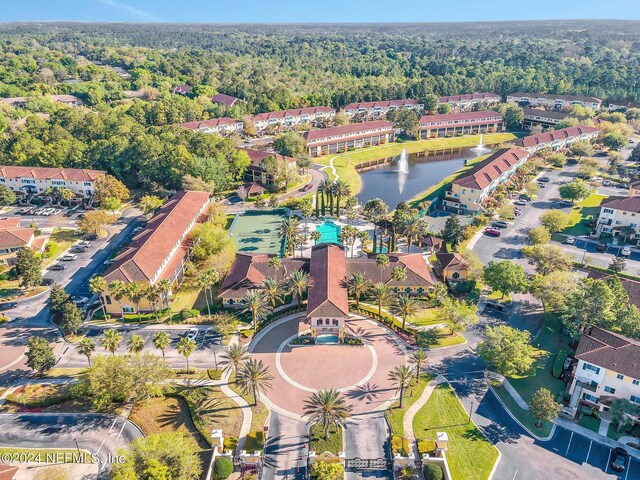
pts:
pixel 381 103
pixel 45 173
pixel 417 270
pixel 224 99
pixel 327 294
pixel 8 472
pixel 9 222
pixel 142 259
pixel 453 261
pixel 252 188
pixel 610 350
pixel 182 89
pixel 15 237
pixel 314 137
pixel 629 204
pixel 549 137
pixel 257 156
pixel 465 118
pixel 467 96
pixel 211 123
pixel 296 112
pixel 492 168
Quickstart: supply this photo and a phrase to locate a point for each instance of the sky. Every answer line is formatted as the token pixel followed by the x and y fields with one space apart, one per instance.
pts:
pixel 312 11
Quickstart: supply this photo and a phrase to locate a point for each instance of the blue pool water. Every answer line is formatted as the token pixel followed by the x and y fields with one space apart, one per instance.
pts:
pixel 330 232
pixel 327 339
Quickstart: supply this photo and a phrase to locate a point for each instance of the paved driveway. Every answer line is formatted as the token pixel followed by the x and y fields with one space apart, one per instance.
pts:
pixel 366 437
pixel 286 449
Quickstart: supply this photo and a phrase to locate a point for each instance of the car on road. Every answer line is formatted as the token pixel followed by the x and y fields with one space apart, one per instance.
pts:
pixel 570 240
pixel 625 252
pixel 619 459
pixel 84 244
pixel 495 305
pixel 69 257
pixel 90 237
pixel 601 247
pixel 544 179
pixel 520 202
pixel 500 224
pixel 7 305
pixel 79 300
pixel 517 213
pixel 307 187
pixel 492 232
pixel 192 333
pixel 541 185
pixel 57 266
pixel 47 282
pixel 524 197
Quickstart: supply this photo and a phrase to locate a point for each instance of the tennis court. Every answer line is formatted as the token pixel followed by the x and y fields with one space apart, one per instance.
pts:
pixel 256 231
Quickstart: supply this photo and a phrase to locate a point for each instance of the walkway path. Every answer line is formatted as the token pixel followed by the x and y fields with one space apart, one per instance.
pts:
pixel 417 405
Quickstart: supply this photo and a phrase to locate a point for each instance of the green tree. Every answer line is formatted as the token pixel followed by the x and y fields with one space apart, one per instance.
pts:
pixel 290 144
pixel 7 196
pixel 453 231
pixel 507 349
pixel 222 468
pixel 458 314
pixel 575 190
pixel 86 347
pixel 543 406
pixel 272 290
pixel 581 148
pixel 327 471
pixel 255 304
pixel 40 357
pixel 623 413
pixel 505 277
pixel 555 220
pixel 401 376
pixel 615 140
pixel 548 258
pixel 136 292
pixel 97 286
pixel 298 284
pixel 557 160
pixel 407 120
pixel 513 115
pixel 108 186
pixel 161 340
pixel 72 318
pixel 111 204
pixel 92 221
pixel 234 356
pixel 150 203
pixel 185 348
pixel 618 265
pixel 254 378
pixel 358 285
pixel 111 340
pixel 405 306
pixel 381 295
pixel 28 268
pixel 592 303
pixel 418 358
pixel 58 297
pixel 135 344
pixel 539 235
pixel 327 408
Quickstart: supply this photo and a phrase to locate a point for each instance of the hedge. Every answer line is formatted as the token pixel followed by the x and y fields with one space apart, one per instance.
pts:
pixel 222 468
pixel 399 445
pixel 557 365
pixel 432 471
pixel 426 446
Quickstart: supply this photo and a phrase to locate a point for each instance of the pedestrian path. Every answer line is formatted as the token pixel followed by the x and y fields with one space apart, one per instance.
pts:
pixel 411 412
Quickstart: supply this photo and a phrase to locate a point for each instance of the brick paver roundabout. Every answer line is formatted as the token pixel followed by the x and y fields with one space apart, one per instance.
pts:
pixel 360 372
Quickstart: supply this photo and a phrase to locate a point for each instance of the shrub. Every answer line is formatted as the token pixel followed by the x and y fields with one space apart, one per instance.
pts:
pixel 230 444
pixel 432 471
pixel 51 250
pixel 303 340
pixel 426 446
pixel 8 275
pixel 327 471
pixel 4 319
pixel 399 445
pixel 185 313
pixel 349 340
pixel 557 365
pixel 214 374
pixel 222 468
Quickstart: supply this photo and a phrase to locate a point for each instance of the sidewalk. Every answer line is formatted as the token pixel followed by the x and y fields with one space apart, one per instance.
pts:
pixel 411 412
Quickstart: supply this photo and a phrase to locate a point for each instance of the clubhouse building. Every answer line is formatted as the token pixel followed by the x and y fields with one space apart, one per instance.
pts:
pixel 469 101
pixel 455 124
pixel 353 136
pixel 380 109
pixel 557 139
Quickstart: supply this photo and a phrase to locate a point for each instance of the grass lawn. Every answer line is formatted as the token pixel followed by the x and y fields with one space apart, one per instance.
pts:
pixel 497 296
pixel 586 209
pixel 470 454
pixel 395 415
pixel 64 239
pixel 11 290
pixel 590 422
pixel 260 412
pixel 437 338
pixel 524 416
pixel 333 442
pixel 65 372
pixel 36 396
pixel 427 316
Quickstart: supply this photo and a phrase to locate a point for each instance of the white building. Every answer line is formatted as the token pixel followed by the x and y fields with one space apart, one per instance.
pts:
pixel 380 109
pixel 622 105
pixel 469 101
pixel 557 139
pixel 617 214
pixel 551 100
pixel 38 179
pixel 291 118
pixel 221 126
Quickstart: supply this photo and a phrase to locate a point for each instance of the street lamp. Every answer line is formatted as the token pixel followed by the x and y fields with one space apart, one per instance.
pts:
pixel 470 412
pixel 77 446
pixel 215 359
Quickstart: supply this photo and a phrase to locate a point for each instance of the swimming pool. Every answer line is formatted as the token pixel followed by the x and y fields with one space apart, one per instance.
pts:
pixel 327 339
pixel 330 232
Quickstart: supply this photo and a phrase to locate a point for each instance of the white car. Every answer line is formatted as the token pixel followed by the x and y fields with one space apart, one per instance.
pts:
pixel 625 252
pixel 69 257
pixel 570 240
pixel 192 333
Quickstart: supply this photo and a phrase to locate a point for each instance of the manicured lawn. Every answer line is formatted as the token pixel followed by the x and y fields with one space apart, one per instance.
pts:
pixel 395 415
pixel 427 316
pixel 260 412
pixel 11 290
pixel 63 239
pixel 470 454
pixel 333 442
pixel 589 207
pixel 590 422
pixel 437 338
pixel 497 296
pixel 524 416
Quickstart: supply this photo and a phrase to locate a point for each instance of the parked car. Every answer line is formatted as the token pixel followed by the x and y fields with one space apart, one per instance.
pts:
pixel 619 459
pixel 570 240
pixel 192 333
pixel 7 305
pixel 47 282
pixel 601 247
pixel 77 249
pixel 544 179
pixel 606 183
pixel 90 237
pixel 69 257
pixel 524 197
pixel 541 185
pixel 500 224
pixel 520 202
pixel 495 305
pixel 517 213
pixel 492 232
pixel 567 363
pixel 57 266
pixel 625 252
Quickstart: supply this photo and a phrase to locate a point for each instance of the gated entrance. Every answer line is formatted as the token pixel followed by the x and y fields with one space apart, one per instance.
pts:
pixel 367 464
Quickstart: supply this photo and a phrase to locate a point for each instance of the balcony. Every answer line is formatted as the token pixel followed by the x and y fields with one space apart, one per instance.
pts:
pixel 590 386
pixel 605 221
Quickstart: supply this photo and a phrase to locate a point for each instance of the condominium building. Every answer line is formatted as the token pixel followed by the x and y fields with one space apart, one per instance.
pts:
pixel 293 117
pixel 353 136
pixel 544 120
pixel 39 179
pixel 221 126
pixel 453 124
pixel 226 100
pixel 620 216
pixel 21 102
pixel 379 109
pixel 13 237
pixel 557 139
pixel 469 101
pixel 622 105
pixel 551 100
pixel 257 171
pixel 466 194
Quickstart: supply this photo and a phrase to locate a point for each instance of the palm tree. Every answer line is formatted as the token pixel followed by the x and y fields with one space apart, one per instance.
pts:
pixel 298 284
pixel 153 296
pixel 233 358
pixel 135 344
pixel 327 407
pixel 363 236
pixel 272 291
pixel 399 274
pixel 186 347
pixel 382 262
pixel 205 280
pixel 412 230
pixel 341 190
pixel 254 377
pixel 111 340
pixel 325 190
pixel 97 286
pixel 86 347
pixel 161 340
pixel 381 295
pixel 254 303
pixel 440 292
pixel 118 289
pixel 401 376
pixel 418 358
pixel 315 236
pixel 166 290
pixel 287 230
pixel 405 306
pixel 358 285
pixel 136 292
pixel 332 196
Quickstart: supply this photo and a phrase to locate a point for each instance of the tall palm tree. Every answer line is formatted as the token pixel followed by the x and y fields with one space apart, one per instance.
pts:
pixel 233 358
pixel 298 284
pixel 401 376
pixel 153 296
pixel 272 290
pixel 86 347
pixel 332 196
pixel 136 292
pixel 97 286
pixel 287 230
pixel 111 340
pixel 166 290
pixel 399 274
pixel 418 358
pixel 185 348
pixel 358 285
pixel 382 262
pixel 254 377
pixel 203 282
pixel 363 236
pixel 213 277
pixel 135 344
pixel 327 407
pixel 255 304
pixel 405 306
pixel 341 190
pixel 119 290
pixel 381 295
pixel 412 230
pixel 325 189
pixel 161 340
pixel 315 236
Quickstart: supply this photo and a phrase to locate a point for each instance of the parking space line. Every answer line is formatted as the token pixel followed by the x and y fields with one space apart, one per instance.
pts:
pixel 628 467
pixel 108 433
pixel 569 446
pixel 514 475
pixel 608 460
pixel 589 451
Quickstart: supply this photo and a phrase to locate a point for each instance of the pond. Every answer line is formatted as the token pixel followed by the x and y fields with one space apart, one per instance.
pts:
pixel 399 181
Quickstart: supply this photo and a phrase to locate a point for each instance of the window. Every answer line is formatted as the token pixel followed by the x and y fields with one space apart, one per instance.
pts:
pixel 635 382
pixel 609 390
pixel 608 210
pixel 590 398
pixel 593 368
pixel 335 322
pixel 107 298
pixel 634 399
pixel 127 309
pixel 456 275
pixel 620 376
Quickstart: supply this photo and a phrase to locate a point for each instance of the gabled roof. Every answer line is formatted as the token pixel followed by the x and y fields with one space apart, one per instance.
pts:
pixel 555 135
pixel 15 237
pixel 253 188
pixel 327 293
pixel 460 117
pixel 296 112
pixel 45 173
pixel 257 156
pixel 553 114
pixel 211 123
pixel 467 96
pixel 611 351
pixel 452 261
pixel 315 136
pixel 492 168
pixel 628 204
pixel 552 96
pixel 182 89
pixel 224 99
pixel 417 270
pixel 381 103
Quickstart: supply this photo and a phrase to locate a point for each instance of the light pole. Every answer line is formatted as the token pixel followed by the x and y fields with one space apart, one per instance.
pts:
pixel 470 412
pixel 77 446
pixel 215 359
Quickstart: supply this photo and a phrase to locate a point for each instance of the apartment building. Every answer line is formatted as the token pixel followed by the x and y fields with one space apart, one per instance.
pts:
pixel 291 118
pixel 469 101
pixel 607 370
pixel 68 100
pixel 380 109
pixel 551 100
pixel 226 100
pixel 557 139
pixel 353 136
pixel 13 237
pixel 466 194
pixel 38 179
pixel 257 171
pixel 221 126
pixel 466 123
pixel 622 105
pixel 544 120
pixel 158 252
pixel 619 216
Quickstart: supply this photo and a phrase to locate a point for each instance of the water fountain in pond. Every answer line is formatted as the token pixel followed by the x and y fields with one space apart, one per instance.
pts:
pixel 403 169
pixel 480 148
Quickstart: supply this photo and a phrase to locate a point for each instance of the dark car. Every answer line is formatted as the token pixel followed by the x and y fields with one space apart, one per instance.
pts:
pixel 500 224
pixel 619 459
pixel 495 305
pixel 492 232
pixel 525 197
pixel 601 247
pixel 307 187
pixel 46 282
pixel 7 305
pixel 57 266
pixel 91 237
pixel 544 179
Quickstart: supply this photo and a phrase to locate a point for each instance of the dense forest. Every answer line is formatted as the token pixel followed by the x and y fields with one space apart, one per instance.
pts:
pixel 271 67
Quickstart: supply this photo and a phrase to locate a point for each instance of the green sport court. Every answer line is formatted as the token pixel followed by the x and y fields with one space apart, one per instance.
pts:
pixel 255 231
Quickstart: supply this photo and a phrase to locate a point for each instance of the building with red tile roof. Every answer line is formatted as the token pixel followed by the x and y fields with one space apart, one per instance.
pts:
pixel 293 117
pixel 221 126
pixel 557 139
pixel 466 193
pixel 325 141
pixel 257 172
pixel 379 109
pixel 181 89
pixel 160 250
pixel 469 101
pixel 38 179
pixel 13 237
pixel 466 123
pixel 226 100
pixel 620 216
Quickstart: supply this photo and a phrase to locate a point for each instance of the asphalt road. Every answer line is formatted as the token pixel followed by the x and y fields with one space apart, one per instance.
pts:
pixel 285 454
pixel 365 437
